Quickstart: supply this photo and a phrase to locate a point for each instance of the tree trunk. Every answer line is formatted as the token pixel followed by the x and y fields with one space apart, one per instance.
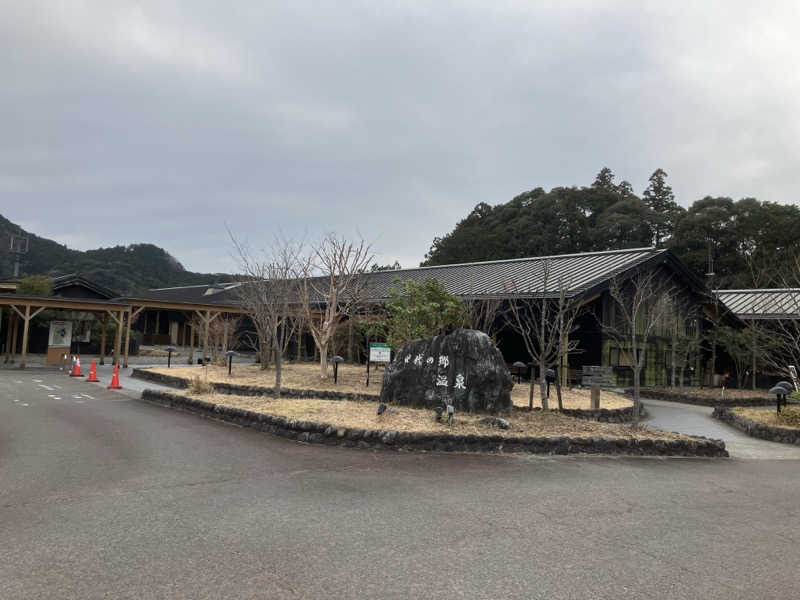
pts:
pixel 753 371
pixel 323 360
pixel 543 386
pixel 530 392
pixel 681 380
pixel 558 392
pixel 673 357
pixel 713 355
pixel 278 371
pixel 636 389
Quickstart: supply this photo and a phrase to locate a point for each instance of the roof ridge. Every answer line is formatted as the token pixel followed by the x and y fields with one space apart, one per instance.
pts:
pixel 530 258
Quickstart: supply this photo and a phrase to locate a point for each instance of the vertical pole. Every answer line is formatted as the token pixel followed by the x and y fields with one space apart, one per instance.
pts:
pixel 224 336
pixel 25 336
pixel 11 320
pixel 564 359
pixel 128 337
pixel 299 340
pixel 157 330
pixel 118 337
pixel 103 329
pixel 206 322
pixel 191 343
pixel 1 318
pixel 753 372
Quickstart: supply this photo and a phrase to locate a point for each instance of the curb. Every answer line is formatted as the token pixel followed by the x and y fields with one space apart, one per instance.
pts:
pixel 757 430
pixel 654 394
pixel 324 433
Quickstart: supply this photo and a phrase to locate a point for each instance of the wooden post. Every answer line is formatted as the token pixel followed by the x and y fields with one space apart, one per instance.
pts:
pixel 25 329
pixel 157 329
pixel 118 337
pixel 131 315
pixel 127 340
pixel 755 350
pixel 103 329
pixel 206 323
pixel 191 343
pixel 225 336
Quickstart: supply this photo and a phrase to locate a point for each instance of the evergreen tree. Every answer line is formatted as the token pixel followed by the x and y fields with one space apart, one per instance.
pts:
pixel 665 211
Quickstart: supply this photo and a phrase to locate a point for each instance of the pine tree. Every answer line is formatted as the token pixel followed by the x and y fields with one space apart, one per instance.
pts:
pixel 659 198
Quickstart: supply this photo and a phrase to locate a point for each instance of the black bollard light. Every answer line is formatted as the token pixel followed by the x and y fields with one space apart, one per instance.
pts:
pixel 519 368
pixel 230 354
pixel 336 360
pixel 170 350
pixel 550 376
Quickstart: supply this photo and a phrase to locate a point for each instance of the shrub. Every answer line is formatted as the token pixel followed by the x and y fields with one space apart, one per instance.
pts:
pixel 200 386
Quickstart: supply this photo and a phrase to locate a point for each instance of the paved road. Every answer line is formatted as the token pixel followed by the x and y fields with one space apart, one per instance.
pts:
pixel 697 420
pixel 104 496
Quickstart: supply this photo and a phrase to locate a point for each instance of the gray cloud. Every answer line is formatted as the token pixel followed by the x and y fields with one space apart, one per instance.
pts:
pixel 166 121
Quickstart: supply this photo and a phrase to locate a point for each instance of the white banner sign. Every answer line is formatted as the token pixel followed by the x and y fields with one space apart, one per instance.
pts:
pixel 380 353
pixel 60 334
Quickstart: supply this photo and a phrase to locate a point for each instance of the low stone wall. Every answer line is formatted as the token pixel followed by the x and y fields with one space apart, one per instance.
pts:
pixel 323 433
pixel 757 430
pixel 657 394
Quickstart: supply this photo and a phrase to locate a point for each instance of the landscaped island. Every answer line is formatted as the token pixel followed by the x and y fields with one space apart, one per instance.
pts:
pixel 352 380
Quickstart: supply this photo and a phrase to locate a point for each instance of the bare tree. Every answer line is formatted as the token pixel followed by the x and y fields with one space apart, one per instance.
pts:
pixel 684 341
pixel 331 281
pixel 268 290
pixel 544 321
pixel 641 302
pixel 484 314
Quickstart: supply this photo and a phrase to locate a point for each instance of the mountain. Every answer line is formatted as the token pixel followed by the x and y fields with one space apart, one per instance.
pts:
pixel 125 269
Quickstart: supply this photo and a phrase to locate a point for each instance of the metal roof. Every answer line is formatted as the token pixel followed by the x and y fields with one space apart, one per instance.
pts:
pixel 519 277
pixel 779 303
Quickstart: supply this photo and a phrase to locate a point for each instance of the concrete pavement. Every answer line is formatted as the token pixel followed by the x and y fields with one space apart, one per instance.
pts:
pixel 110 497
pixel 697 420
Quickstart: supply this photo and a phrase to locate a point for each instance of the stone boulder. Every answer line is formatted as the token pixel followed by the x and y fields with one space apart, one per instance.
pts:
pixel 463 368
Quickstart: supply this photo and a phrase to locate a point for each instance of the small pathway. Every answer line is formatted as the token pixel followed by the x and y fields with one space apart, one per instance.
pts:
pixel 697 420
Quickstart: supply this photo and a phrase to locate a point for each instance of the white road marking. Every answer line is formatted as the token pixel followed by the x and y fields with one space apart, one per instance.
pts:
pixel 47 387
pixel 58 387
pixel 88 396
pixel 51 395
pixel 16 400
pixel 37 380
pixel 76 396
pixel 56 397
pixel 18 381
pixel 25 404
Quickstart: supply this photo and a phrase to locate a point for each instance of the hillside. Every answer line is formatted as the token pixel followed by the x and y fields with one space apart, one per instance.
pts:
pixel 125 269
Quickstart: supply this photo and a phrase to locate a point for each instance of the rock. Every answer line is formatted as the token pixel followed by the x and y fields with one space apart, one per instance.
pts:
pixel 463 368
pixel 496 422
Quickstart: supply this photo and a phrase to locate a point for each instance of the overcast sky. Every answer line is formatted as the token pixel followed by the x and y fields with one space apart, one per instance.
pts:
pixel 164 121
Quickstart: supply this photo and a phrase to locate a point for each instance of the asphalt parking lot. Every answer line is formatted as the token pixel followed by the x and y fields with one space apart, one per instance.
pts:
pixel 105 496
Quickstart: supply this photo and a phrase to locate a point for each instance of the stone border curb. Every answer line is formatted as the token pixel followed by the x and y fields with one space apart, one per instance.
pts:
pixel 756 430
pixel 654 394
pixel 323 433
pixel 603 415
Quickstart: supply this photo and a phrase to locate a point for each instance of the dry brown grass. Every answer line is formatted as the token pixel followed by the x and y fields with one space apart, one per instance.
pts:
pixel 352 379
pixel 363 415
pixel 788 419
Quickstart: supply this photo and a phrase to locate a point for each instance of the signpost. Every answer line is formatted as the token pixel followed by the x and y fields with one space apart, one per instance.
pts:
pixel 378 353
pixel 595 377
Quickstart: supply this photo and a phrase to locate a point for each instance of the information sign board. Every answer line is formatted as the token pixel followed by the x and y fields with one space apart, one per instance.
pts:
pixel 380 353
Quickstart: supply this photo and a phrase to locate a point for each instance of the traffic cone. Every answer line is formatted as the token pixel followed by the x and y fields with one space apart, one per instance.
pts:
pixel 115 380
pixel 93 373
pixel 76 369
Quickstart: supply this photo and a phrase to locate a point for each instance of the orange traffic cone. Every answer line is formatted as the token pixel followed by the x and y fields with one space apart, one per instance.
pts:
pixel 115 380
pixel 76 369
pixel 93 373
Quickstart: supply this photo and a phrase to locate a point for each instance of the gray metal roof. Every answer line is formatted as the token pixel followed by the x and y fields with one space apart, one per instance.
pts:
pixel 779 303
pixel 517 277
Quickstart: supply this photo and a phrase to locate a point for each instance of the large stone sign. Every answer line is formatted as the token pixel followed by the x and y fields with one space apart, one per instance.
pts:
pixel 463 368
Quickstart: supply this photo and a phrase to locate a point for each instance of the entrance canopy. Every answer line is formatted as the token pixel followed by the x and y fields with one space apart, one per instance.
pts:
pixel 121 311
